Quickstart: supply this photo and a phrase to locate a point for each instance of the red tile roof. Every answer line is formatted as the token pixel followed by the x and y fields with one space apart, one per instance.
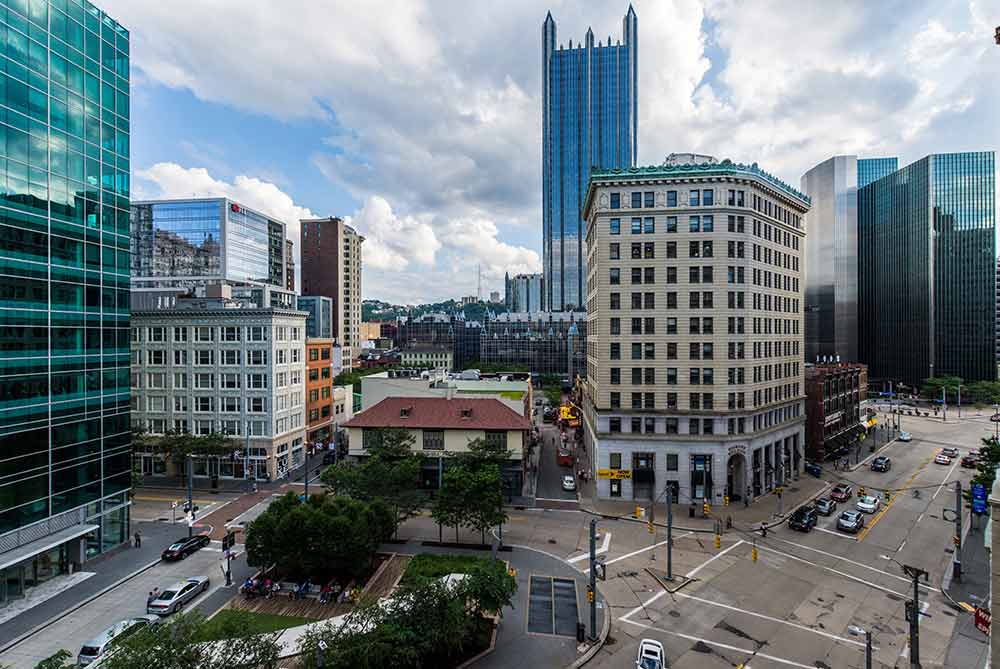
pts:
pixel 441 413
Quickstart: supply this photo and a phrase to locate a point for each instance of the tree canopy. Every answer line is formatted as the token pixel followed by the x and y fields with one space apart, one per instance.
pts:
pixel 177 446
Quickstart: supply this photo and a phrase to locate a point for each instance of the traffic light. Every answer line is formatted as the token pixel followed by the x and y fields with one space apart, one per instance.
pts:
pixel 718 542
pixel 590 595
pixel 909 610
pixel 512 572
pixel 753 553
pixel 957 540
pixel 888 495
pixel 705 509
pixel 861 491
pixel 725 500
pixel 649 526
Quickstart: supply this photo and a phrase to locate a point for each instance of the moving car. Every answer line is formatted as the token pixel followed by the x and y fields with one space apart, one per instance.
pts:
pixel 650 655
pixel 842 492
pixel 942 459
pixel 825 506
pixel 804 519
pixel 814 469
pixel 568 483
pixel 868 504
pixel 969 461
pixel 881 464
pixel 850 521
pixel 905 436
pixel 104 641
pixel 185 546
pixel 173 599
pixel 950 451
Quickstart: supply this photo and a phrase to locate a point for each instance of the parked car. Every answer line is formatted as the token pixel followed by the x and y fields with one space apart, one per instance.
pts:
pixel 942 459
pixel 905 436
pixel 881 464
pixel 650 655
pixel 842 492
pixel 185 546
pixel 173 599
pixel 868 504
pixel 814 469
pixel 107 639
pixel 538 401
pixel 825 506
pixel 950 451
pixel 969 461
pixel 974 452
pixel 804 519
pixel 568 483
pixel 851 521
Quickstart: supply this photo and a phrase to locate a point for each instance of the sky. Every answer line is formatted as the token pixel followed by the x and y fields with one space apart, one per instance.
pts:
pixel 419 121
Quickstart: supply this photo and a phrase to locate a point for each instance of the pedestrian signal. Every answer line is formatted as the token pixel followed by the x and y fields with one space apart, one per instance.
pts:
pixel 753 553
pixel 725 500
pixel 861 491
pixel 718 542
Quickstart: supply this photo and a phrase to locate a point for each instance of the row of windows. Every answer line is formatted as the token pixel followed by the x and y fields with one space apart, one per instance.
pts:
pixel 703 274
pixel 207 333
pixel 696 325
pixel 205 381
pixel 182 404
pixel 208 357
pixel 736 425
pixel 696 197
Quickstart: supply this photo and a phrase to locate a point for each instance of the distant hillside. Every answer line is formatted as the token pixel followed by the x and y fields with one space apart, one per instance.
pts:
pixel 377 310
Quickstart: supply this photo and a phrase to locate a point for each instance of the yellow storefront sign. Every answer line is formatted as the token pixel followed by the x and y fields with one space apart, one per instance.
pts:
pixel 614 473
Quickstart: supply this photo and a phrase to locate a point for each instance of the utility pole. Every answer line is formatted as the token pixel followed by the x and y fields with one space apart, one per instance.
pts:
pixel 190 477
pixel 944 405
pixel 915 573
pixel 592 594
pixel 670 532
pixel 957 562
pixel 960 400
pixel 307 474
pixel 868 649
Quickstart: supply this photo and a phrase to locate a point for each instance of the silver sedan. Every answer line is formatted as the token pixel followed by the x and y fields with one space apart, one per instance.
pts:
pixel 173 598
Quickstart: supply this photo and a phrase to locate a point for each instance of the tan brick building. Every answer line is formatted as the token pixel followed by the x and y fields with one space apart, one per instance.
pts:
pixel 694 333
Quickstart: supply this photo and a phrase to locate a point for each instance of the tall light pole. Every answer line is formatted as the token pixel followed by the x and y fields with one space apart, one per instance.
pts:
pixel 912 609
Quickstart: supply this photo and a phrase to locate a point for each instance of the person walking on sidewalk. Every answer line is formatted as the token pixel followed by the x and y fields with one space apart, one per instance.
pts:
pixel 763 530
pixel 138 539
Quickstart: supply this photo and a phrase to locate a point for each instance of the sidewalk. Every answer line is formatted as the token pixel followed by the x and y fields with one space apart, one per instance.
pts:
pixel 217 519
pixel 968 646
pixel 108 569
pixel 763 509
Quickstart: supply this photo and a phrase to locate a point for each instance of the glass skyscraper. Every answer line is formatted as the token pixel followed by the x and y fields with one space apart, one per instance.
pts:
pixel 831 262
pixel 927 253
pixel 589 119
pixel 65 444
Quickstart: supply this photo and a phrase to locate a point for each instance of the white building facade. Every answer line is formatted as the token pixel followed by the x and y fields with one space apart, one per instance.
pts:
pixel 694 334
pixel 223 370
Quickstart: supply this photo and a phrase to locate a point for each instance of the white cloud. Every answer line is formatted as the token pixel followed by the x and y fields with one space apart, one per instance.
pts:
pixel 435 107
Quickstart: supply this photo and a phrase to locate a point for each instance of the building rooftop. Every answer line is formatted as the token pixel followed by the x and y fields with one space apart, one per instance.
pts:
pixel 440 413
pixel 696 169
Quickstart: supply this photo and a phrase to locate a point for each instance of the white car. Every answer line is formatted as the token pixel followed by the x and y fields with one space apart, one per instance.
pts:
pixel 905 436
pixel 868 504
pixel 568 483
pixel 942 459
pixel 650 655
pixel 100 644
pixel 177 595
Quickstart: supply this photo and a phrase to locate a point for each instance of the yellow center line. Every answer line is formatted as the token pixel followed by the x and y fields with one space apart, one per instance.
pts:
pixel 885 509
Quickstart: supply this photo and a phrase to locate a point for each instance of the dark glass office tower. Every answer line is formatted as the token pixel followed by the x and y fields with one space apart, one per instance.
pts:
pixel 589 118
pixel 873 169
pixel 65 445
pixel 927 277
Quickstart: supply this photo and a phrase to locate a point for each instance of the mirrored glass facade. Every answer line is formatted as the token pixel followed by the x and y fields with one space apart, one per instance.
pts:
pixel 927 254
pixel 589 118
pixel 873 169
pixel 65 445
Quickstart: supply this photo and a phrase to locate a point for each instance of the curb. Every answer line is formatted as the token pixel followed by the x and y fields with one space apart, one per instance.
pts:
pixel 947 577
pixel 38 628
pixel 599 644
pixel 873 455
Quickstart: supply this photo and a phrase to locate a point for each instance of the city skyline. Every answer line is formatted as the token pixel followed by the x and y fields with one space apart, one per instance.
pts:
pixel 436 212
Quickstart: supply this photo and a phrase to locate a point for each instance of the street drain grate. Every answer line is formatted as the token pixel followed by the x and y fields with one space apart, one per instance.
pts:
pixel 552 607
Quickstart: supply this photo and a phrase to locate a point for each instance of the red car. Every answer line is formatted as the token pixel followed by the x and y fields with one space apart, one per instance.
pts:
pixel 842 492
pixel 969 461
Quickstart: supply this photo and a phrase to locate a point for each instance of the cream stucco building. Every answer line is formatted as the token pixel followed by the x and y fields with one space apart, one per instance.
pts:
pixel 694 333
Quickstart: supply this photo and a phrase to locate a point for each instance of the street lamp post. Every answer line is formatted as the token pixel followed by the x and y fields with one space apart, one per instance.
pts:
pixel 857 631
pixel 913 608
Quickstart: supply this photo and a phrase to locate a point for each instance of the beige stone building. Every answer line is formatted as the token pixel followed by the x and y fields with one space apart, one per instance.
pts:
pixel 694 333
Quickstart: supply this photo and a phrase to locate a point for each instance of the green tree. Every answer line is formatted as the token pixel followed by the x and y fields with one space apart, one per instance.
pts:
pixel 62 659
pixel 391 473
pixel 181 644
pixel 484 500
pixel 449 505
pixel 489 588
pixel 989 460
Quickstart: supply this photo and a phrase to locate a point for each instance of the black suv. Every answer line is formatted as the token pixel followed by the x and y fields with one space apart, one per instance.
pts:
pixel 804 519
pixel 881 464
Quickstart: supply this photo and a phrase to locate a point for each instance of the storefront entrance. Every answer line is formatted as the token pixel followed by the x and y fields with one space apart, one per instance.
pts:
pixel 736 476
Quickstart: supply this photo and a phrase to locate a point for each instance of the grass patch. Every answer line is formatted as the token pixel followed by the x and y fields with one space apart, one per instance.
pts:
pixel 427 567
pixel 229 623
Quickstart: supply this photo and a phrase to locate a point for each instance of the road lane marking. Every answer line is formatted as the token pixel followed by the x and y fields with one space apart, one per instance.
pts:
pixel 836 534
pixel 641 550
pixel 854 562
pixel 770 618
pixel 881 514
pixel 644 605
pixel 603 549
pixel 946 477
pixel 712 559
pixel 724 646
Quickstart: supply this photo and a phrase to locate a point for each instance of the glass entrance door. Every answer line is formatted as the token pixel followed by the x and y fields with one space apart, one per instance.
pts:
pixel 12 584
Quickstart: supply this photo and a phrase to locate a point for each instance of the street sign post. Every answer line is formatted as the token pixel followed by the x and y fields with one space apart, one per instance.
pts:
pixel 979 498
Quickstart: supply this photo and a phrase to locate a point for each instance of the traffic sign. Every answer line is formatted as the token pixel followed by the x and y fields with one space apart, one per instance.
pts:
pixel 978 498
pixel 983 620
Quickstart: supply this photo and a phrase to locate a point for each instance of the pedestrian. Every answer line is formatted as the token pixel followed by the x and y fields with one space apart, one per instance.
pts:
pixel 138 539
pixel 763 530
pixel 153 594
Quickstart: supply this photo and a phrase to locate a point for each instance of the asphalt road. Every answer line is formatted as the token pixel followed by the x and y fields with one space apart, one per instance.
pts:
pixel 795 607
pixel 126 600
pixel 550 474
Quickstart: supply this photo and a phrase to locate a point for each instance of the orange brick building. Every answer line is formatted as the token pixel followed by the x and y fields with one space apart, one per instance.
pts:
pixel 319 392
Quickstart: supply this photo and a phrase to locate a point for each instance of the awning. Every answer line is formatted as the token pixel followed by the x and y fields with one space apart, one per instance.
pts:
pixel 33 548
pixel 871 422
